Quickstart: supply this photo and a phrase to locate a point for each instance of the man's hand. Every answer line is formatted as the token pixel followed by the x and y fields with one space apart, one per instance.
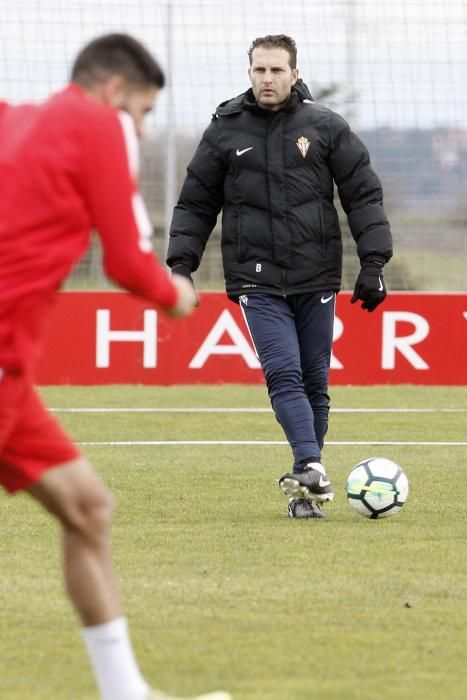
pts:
pixel 370 287
pixel 187 298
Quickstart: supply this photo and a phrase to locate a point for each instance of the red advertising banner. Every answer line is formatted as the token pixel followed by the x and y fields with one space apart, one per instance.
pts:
pixel 112 337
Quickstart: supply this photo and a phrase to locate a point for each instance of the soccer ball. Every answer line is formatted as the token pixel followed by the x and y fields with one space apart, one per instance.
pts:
pixel 377 487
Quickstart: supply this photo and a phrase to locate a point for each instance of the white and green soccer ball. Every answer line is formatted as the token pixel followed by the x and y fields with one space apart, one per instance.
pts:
pixel 377 488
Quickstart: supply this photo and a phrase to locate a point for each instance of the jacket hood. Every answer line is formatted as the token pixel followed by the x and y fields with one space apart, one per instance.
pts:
pixel 299 93
pixel 302 91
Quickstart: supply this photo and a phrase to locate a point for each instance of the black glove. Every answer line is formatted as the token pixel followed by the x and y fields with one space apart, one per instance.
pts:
pixel 370 287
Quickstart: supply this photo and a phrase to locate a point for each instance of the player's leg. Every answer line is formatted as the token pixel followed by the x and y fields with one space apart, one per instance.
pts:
pixel 314 320
pixel 315 323
pixel 75 495
pixel 271 324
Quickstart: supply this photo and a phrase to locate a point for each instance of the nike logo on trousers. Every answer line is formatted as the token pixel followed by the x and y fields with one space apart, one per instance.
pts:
pixel 324 300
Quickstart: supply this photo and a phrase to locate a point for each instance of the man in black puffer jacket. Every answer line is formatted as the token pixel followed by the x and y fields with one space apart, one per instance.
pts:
pixel 269 159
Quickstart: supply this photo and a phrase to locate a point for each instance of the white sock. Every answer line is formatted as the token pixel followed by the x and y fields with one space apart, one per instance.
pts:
pixel 115 667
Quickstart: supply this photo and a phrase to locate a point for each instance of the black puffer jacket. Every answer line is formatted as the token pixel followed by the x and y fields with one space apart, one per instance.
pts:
pixel 272 174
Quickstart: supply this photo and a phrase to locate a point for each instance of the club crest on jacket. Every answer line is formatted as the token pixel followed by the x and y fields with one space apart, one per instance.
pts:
pixel 303 145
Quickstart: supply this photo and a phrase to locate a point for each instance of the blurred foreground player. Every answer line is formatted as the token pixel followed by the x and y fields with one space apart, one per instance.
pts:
pixel 68 166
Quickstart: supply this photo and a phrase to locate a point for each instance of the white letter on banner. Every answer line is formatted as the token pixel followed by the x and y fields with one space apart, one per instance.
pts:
pixel 225 324
pixel 104 336
pixel 403 344
pixel 336 334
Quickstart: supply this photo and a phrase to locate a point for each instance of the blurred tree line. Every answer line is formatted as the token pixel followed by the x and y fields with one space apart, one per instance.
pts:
pixel 424 176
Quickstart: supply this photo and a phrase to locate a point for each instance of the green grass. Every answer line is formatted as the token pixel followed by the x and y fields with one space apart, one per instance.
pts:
pixel 221 589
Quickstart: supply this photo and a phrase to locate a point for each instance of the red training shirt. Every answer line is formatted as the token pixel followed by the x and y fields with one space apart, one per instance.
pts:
pixel 67 166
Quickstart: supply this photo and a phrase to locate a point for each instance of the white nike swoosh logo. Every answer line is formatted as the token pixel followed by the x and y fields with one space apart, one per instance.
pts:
pixel 323 482
pixel 380 288
pixel 325 300
pixel 244 150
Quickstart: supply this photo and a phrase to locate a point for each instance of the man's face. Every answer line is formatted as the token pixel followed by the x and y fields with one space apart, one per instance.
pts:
pixel 271 77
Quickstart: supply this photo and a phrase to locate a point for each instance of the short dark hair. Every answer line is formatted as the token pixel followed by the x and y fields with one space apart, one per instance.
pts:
pixel 116 54
pixel 276 41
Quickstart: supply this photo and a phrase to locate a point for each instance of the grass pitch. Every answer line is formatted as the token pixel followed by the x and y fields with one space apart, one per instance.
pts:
pixel 221 588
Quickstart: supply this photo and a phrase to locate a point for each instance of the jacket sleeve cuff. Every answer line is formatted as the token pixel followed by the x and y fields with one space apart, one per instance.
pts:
pixel 180 269
pixel 378 260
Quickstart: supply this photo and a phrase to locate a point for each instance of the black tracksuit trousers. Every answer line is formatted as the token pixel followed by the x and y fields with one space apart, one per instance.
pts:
pixel 293 339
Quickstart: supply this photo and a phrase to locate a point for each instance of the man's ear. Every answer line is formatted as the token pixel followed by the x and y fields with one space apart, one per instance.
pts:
pixel 113 90
pixel 294 75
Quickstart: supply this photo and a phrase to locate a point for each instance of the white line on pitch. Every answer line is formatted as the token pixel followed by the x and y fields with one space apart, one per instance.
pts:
pixel 251 410
pixel 266 442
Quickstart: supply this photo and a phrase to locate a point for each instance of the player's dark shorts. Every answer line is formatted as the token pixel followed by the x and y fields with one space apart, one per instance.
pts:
pixel 31 439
